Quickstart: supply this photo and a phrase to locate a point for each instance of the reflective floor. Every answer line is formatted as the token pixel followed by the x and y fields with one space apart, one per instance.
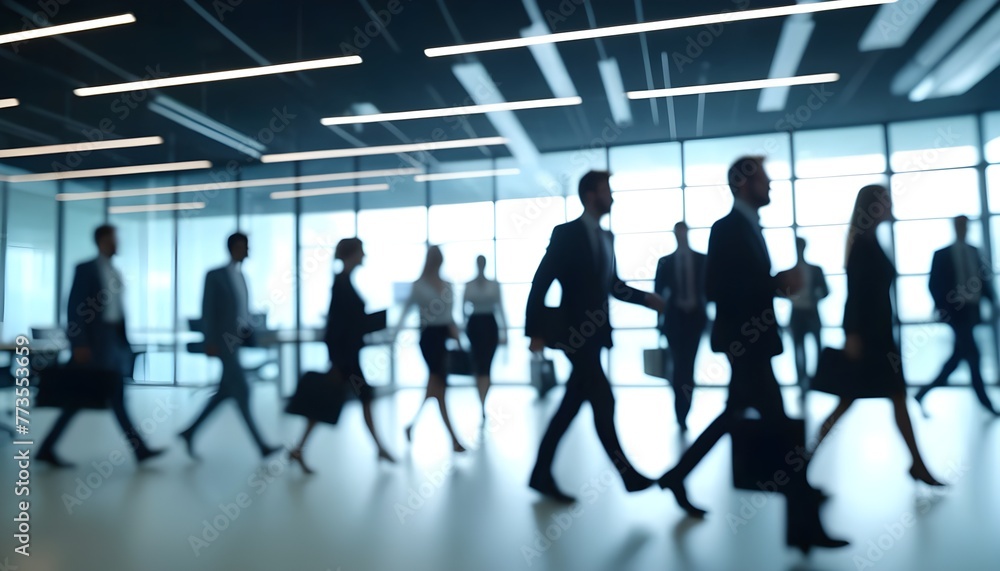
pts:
pixel 436 510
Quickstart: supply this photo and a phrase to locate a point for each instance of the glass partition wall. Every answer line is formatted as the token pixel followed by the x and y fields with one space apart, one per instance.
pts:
pixel 935 168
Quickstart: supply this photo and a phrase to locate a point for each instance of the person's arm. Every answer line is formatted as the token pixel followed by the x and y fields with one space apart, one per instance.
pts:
pixel 822 288
pixel 411 301
pixel 211 325
pixel 549 270
pixel 936 283
pixel 731 274
pixel 79 317
pixel 986 277
pixel 855 307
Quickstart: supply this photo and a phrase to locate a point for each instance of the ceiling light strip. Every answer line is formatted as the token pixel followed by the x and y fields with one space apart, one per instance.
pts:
pixel 66 28
pixel 452 111
pixel 383 150
pixel 12 102
pixel 156 207
pixel 706 20
pixel 83 147
pixel 327 191
pixel 466 174
pixel 218 76
pixel 113 171
pixel 735 86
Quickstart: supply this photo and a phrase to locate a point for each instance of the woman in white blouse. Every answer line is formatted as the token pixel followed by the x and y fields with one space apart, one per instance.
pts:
pixel 434 297
pixel 486 325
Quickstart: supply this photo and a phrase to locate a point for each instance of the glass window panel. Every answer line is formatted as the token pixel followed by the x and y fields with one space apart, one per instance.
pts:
pixel 711 368
pixel 408 224
pixel 30 275
pixel 403 190
pixel 916 242
pixel 529 217
pixel 646 210
pixel 924 349
pixel 629 315
pixel 825 247
pixel 651 166
pixel 781 247
pixel 707 161
pixel 779 212
pixel 991 127
pixel 705 204
pixel 270 268
pixel 80 219
pixel 472 188
pixel 319 235
pixel 993 187
pixel 837 152
pixel 934 144
pixel 638 254
pixel 515 302
pixel 697 239
pixel 831 308
pixel 924 194
pixel 915 304
pixel 455 222
pixel 625 358
pixel 829 200
pixel 385 277
pixel 517 260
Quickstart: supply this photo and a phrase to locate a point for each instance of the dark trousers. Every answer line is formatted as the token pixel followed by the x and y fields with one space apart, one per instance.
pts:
pixel 802 325
pixel 587 382
pixel 965 350
pixel 233 385
pixel 109 351
pixel 684 332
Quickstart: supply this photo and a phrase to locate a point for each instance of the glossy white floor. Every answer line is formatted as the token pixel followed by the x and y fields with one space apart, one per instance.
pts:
pixel 435 510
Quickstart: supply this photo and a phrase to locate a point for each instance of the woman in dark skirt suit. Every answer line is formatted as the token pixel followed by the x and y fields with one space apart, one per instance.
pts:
pixel 486 326
pixel 868 320
pixel 344 340
pixel 434 297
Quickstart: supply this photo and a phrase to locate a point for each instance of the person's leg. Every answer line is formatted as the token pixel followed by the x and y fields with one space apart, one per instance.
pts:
pixel 799 330
pixel 132 435
pixel 949 367
pixel 567 411
pixel 965 342
pixel 685 350
pixel 828 424
pixel 296 454
pixel 235 378
pixel 919 469
pixel 47 450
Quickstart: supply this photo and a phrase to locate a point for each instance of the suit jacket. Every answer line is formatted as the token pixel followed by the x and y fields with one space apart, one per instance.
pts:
pixel 666 285
pixel 582 316
pixel 109 346
pixel 220 316
pixel 820 289
pixel 738 279
pixel 947 292
pixel 346 319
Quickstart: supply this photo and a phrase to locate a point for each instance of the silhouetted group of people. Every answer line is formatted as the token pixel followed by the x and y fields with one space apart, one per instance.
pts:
pixel 735 274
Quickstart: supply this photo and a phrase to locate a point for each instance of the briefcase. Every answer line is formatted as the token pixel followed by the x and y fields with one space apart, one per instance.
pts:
pixel 459 362
pixel 543 375
pixel 319 396
pixel 76 387
pixel 762 448
pixel 658 362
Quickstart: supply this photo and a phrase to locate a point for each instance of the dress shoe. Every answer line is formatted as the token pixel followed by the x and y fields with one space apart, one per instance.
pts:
pixel 821 539
pixel 296 455
pixel 188 439
pixel 549 489
pixel 144 454
pixel 636 482
pixel 266 450
pixel 676 485
pixel 923 475
pixel 51 459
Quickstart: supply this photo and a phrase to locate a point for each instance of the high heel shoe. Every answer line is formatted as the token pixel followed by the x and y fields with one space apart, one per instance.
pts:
pixel 297 456
pixel 925 477
pixel 383 455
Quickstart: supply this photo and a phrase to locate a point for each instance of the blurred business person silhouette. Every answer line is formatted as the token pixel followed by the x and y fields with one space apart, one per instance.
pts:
pixel 96 331
pixel 680 279
pixel 344 338
pixel 580 256
pixel 868 323
pixel 739 281
pixel 486 325
pixel 226 321
pixel 805 321
pixel 434 298
pixel 960 280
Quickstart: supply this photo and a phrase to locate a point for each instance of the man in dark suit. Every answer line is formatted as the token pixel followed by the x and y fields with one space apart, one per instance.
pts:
pixel 805 319
pixel 739 281
pixel 959 281
pixel 680 279
pixel 580 257
pixel 96 332
pixel 226 321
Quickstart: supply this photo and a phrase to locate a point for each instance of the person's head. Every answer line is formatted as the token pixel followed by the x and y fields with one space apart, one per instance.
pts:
pixel 872 207
pixel 350 251
pixel 681 233
pixel 481 264
pixel 432 264
pixel 595 192
pixel 749 182
pixel 106 239
pixel 800 245
pixel 239 246
pixel 961 227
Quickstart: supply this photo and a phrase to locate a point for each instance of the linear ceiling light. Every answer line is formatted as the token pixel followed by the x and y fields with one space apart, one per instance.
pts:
pixel 218 76
pixel 975 58
pixel 9 103
pixel 656 26
pixel 252 183
pixel 465 174
pixel 80 147
pixel 156 207
pixel 113 171
pixel 452 111
pixel 383 150
pixel 735 86
pixel 66 28
pixel 325 191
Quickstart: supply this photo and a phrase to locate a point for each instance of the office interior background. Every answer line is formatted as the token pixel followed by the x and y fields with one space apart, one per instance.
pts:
pixel 913 107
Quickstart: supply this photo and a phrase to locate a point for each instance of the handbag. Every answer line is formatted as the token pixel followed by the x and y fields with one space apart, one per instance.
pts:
pixel 762 448
pixel 77 387
pixel 658 362
pixel 319 396
pixel 543 374
pixel 840 376
pixel 459 362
